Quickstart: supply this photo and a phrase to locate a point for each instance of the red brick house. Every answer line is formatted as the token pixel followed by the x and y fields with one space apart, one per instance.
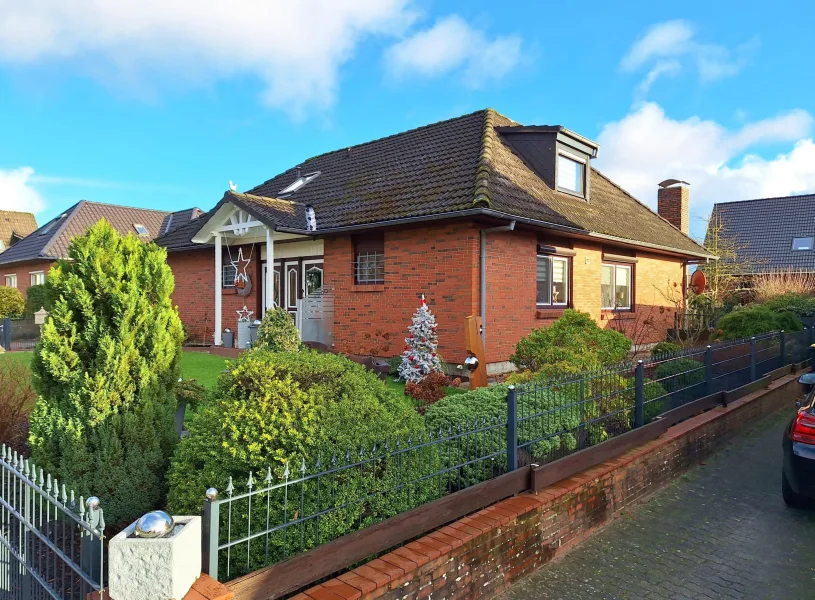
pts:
pixel 483 215
pixel 27 262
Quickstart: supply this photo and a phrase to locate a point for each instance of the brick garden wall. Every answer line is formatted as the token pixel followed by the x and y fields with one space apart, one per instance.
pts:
pixel 194 272
pixel 23 272
pixel 481 555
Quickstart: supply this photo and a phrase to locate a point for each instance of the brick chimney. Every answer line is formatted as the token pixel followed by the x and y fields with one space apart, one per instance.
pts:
pixel 673 203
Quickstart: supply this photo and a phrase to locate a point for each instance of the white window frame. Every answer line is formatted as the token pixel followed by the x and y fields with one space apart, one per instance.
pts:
pixel 614 267
pixel 552 258
pixel 579 160
pixel 10 277
pixel 31 276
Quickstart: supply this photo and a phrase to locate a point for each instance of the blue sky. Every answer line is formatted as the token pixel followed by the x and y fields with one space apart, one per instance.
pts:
pixel 161 103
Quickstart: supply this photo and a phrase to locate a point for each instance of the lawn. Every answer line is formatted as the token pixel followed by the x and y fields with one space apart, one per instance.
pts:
pixel 194 365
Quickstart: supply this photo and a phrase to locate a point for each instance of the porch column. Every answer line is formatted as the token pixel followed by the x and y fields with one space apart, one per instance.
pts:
pixel 269 298
pixel 218 298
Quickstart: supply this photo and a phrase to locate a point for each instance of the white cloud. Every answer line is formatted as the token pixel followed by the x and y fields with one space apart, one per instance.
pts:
pixel 669 45
pixel 450 44
pixel 16 192
pixel 294 48
pixel 646 147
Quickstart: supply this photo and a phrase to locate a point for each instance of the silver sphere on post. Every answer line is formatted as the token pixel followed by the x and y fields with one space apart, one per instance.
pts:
pixel 211 494
pixel 92 503
pixel 154 525
pixel 471 362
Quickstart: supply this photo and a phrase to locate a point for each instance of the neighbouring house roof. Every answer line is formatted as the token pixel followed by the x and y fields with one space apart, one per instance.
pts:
pixel 14 226
pixel 51 240
pixel 463 164
pixel 762 231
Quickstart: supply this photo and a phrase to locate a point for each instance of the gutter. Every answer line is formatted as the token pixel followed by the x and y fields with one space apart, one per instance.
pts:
pixel 483 274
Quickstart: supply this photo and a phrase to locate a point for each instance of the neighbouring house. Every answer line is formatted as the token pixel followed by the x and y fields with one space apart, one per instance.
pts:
pixel 768 235
pixel 27 262
pixel 483 215
pixel 14 226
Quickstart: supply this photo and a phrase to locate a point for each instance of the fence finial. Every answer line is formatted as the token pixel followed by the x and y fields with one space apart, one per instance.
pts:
pixel 211 494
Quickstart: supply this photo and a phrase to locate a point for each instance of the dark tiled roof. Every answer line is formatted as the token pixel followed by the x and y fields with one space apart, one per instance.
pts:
pixel 455 165
pixel 13 223
pixel 762 231
pixel 52 239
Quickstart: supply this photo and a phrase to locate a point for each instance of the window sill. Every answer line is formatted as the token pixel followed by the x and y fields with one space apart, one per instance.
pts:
pixel 621 314
pixel 372 287
pixel 549 313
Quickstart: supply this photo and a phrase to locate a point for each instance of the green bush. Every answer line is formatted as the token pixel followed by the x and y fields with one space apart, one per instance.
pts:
pixel 755 320
pixel 663 348
pixel 105 369
pixel 798 304
pixel 36 298
pixel 277 332
pixel 276 409
pixel 192 393
pixel 572 344
pixel 11 302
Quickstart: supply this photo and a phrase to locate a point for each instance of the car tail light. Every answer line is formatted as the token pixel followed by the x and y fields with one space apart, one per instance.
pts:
pixel 803 428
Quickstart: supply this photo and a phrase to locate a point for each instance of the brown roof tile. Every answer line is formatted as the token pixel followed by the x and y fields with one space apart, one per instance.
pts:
pixel 15 224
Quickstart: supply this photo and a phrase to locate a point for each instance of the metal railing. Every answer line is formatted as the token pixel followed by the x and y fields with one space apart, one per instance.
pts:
pixel 304 503
pixel 19 334
pixel 51 547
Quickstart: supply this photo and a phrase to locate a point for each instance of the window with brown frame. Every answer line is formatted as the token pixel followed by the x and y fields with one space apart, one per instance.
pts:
pixel 616 286
pixel 369 259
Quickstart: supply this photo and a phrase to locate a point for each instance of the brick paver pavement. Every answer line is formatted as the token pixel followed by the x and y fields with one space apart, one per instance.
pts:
pixel 721 531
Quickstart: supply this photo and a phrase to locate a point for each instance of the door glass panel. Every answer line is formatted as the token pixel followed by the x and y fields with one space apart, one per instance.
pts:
pixel 314 279
pixel 291 286
pixel 276 279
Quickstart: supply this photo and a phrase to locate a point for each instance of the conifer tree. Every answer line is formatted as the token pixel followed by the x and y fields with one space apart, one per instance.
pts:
pixel 420 356
pixel 105 370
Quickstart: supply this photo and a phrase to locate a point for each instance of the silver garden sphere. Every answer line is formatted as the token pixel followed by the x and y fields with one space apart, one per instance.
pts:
pixel 154 525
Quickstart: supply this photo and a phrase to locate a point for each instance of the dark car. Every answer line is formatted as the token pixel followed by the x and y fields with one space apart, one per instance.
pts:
pixel 798 472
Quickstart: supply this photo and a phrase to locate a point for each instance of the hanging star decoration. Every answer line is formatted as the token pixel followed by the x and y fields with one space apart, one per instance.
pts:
pixel 244 314
pixel 240 264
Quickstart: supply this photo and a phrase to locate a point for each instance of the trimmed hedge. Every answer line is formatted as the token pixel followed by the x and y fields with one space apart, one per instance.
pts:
pixel 277 332
pixel 755 320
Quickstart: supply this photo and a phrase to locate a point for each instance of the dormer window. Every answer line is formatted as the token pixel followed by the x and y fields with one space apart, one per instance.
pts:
pixel 571 174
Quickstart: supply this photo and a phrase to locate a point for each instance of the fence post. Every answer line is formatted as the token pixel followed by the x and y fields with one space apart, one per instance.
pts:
pixel 783 335
pixel 5 339
pixel 639 395
pixel 210 521
pixel 709 370
pixel 753 370
pixel 512 429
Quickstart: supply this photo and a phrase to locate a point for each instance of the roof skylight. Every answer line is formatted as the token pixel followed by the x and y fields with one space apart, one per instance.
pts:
pixel 298 183
pixel 140 229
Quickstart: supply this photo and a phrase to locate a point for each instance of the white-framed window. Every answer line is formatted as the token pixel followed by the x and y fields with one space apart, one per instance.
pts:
pixel 571 174
pixel 228 274
pixel 141 229
pixel 37 277
pixel 552 281
pixel 615 286
pixel 802 243
pixel 11 280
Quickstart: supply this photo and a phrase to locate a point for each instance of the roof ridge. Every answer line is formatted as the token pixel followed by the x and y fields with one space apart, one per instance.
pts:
pixel 377 140
pixel 646 207
pixel 481 193
pixel 94 202
pixel 790 197
pixel 15 212
pixel 61 228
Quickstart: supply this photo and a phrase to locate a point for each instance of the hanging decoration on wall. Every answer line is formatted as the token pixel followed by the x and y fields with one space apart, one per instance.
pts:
pixel 243 282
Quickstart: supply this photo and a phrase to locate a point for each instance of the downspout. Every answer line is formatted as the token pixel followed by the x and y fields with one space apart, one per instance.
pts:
pixel 483 275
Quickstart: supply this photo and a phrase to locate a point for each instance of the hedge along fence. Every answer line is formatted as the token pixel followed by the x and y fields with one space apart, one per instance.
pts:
pixel 259 521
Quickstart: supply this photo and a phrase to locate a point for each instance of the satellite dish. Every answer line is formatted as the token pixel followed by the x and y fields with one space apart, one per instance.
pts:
pixel 698 282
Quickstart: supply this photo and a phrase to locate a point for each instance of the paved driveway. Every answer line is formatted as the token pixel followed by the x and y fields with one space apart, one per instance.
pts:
pixel 721 531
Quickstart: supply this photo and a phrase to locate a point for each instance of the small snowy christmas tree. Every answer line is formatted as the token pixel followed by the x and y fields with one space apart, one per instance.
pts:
pixel 420 356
